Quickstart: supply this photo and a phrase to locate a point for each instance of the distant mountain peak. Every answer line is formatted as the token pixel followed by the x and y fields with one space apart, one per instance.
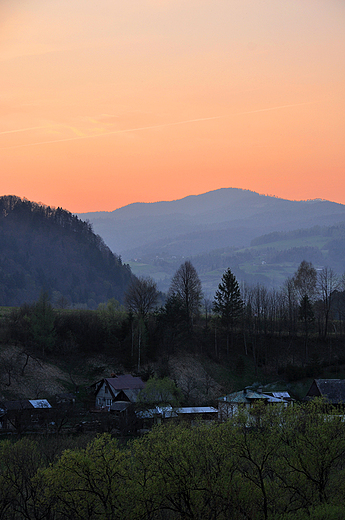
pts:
pixel 172 226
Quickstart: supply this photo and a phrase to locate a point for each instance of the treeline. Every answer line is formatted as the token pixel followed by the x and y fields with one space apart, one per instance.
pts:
pixel 336 231
pixel 294 331
pixel 51 249
pixel 274 464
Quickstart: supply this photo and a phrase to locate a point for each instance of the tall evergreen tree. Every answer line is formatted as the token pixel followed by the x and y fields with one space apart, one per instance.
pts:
pixel 43 323
pixel 228 303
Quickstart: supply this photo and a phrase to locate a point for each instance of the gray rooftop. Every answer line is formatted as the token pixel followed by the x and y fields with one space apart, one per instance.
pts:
pixel 126 382
pixel 332 389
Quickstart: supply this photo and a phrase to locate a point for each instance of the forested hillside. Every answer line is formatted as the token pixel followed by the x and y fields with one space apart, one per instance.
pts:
pixel 51 249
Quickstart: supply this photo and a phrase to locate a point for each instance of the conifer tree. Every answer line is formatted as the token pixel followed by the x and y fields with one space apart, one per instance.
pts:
pixel 228 303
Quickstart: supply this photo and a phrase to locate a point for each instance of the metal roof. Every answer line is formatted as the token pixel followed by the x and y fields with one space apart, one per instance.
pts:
pixel 39 403
pixel 282 395
pixel 196 409
pixel 243 396
pixel 25 404
pixel 248 395
pixel 163 411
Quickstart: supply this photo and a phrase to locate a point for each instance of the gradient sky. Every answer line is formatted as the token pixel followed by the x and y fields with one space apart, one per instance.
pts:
pixel 117 101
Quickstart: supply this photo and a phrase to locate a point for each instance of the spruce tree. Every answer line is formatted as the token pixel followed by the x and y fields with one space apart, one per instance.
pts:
pixel 228 303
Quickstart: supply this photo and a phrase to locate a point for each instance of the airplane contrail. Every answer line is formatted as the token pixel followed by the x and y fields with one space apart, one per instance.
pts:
pixel 22 130
pixel 276 108
pixel 137 129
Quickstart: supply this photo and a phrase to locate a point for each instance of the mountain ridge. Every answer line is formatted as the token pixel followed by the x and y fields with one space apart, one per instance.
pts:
pixel 138 228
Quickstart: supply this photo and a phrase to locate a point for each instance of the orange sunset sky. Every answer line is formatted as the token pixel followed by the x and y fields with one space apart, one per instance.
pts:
pixel 108 102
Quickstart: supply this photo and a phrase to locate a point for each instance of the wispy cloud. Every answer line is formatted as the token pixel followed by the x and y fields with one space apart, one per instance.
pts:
pixel 141 128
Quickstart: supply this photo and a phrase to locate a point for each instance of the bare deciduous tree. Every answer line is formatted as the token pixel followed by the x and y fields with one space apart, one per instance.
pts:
pixel 327 283
pixel 305 280
pixel 141 296
pixel 186 285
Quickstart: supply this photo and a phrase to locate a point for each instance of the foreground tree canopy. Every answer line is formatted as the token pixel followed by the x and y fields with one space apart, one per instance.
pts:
pixel 276 464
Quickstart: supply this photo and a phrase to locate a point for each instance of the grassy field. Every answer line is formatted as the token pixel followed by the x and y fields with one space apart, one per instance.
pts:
pixel 280 245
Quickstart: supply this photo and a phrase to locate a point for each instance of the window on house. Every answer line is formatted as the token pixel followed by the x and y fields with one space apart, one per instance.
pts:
pixel 108 402
pixel 106 390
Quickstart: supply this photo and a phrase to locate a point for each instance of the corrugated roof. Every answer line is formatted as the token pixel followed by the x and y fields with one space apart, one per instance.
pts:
pixel 243 396
pixel 282 395
pixel 163 411
pixel 39 403
pixel 246 396
pixel 196 409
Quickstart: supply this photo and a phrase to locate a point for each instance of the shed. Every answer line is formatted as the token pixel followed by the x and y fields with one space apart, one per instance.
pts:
pixel 197 413
pixel 21 414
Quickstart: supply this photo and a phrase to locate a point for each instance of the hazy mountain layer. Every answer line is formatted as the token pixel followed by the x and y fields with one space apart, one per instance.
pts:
pixel 222 218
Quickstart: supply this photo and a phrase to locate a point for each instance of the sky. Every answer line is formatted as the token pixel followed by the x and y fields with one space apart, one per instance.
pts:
pixel 111 102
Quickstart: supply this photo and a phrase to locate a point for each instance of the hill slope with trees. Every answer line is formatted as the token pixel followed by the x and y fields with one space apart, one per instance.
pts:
pixel 44 248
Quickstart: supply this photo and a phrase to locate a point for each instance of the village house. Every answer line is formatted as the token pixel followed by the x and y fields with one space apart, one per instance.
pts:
pixel 231 403
pixel 24 414
pixel 333 390
pixel 116 393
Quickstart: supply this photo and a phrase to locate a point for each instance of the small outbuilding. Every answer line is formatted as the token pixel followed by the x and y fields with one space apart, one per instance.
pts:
pixel 194 414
